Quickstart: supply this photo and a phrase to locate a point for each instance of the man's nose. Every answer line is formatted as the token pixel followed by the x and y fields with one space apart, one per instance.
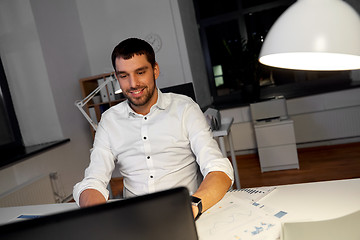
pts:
pixel 134 81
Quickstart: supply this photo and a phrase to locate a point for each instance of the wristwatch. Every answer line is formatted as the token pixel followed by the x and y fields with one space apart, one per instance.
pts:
pixel 195 201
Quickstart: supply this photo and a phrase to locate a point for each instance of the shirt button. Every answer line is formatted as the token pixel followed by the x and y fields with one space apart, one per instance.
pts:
pixel 148 157
pixel 145 118
pixel 144 138
pixel 151 176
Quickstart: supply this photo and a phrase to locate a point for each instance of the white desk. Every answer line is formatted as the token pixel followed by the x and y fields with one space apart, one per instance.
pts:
pixel 232 218
pixel 302 202
pixel 225 131
pixel 316 201
pixel 10 214
pixel 323 210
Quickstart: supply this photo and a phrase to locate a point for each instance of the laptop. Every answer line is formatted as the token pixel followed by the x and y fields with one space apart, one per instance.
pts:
pixel 162 215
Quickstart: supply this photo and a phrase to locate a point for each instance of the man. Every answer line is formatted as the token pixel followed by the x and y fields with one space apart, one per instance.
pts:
pixel 160 140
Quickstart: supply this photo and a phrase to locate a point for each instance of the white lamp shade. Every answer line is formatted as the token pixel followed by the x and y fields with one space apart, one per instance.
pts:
pixel 314 35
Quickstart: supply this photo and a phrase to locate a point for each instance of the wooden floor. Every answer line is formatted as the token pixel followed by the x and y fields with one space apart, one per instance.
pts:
pixel 316 164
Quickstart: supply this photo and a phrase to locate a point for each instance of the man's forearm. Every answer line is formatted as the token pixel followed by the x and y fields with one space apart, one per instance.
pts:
pixel 91 197
pixel 212 189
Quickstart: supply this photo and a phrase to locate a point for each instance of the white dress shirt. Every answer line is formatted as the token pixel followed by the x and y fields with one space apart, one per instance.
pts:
pixel 164 149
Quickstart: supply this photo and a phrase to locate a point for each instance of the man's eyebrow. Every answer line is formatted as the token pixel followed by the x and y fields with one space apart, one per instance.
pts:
pixel 142 68
pixel 136 70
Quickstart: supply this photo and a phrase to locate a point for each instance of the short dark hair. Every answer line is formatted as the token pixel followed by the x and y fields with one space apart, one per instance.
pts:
pixel 133 46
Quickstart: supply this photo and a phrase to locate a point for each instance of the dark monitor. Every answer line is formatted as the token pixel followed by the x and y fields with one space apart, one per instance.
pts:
pixel 162 215
pixel 184 89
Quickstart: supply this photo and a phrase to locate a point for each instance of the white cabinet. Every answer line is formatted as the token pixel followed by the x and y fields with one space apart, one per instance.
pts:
pixel 276 145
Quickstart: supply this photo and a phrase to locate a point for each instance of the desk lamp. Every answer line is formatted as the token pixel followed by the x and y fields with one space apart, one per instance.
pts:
pixel 317 35
pixel 80 104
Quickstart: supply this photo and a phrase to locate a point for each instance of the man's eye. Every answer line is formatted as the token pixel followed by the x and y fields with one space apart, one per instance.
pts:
pixel 121 76
pixel 141 73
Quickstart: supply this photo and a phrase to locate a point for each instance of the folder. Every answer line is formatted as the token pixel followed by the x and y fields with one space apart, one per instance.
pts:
pixel 111 90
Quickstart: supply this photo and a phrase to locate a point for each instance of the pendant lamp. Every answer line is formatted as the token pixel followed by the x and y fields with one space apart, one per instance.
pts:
pixel 314 35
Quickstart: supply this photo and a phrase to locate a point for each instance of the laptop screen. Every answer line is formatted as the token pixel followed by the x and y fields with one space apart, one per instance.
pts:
pixel 162 215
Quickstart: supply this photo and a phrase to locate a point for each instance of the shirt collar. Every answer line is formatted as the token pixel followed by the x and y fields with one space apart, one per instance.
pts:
pixel 161 103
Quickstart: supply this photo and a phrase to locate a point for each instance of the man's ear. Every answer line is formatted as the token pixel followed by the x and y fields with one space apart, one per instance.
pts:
pixel 156 70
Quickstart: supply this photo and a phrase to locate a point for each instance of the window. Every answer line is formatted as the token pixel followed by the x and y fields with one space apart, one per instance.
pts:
pixel 212 8
pixel 12 148
pixel 10 131
pixel 232 35
pixel 218 75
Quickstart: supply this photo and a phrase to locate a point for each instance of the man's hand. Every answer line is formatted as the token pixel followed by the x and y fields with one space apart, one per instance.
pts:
pixel 211 190
pixel 91 197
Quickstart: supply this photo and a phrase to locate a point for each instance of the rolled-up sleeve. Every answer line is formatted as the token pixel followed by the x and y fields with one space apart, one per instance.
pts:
pixel 99 171
pixel 204 146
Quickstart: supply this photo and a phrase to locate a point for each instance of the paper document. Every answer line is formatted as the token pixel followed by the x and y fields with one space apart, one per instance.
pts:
pixel 235 218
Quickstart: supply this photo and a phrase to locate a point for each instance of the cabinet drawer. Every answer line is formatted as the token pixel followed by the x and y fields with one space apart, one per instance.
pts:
pixel 274 135
pixel 278 156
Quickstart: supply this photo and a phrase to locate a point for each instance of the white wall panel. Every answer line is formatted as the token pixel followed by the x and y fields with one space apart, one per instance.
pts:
pixel 243 136
pixel 327 125
pixel 106 23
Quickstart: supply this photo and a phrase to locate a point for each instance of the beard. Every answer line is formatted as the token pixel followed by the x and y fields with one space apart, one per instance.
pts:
pixel 144 99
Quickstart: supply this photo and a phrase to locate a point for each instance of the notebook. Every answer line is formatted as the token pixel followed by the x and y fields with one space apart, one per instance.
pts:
pixel 161 215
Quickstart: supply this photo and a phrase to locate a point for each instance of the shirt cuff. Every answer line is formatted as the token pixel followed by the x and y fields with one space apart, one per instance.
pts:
pixel 81 186
pixel 221 166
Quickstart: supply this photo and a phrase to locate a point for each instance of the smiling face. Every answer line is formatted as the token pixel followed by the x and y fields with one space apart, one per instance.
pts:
pixel 137 77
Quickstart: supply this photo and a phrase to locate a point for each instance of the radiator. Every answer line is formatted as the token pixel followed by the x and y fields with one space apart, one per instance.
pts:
pixel 37 191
